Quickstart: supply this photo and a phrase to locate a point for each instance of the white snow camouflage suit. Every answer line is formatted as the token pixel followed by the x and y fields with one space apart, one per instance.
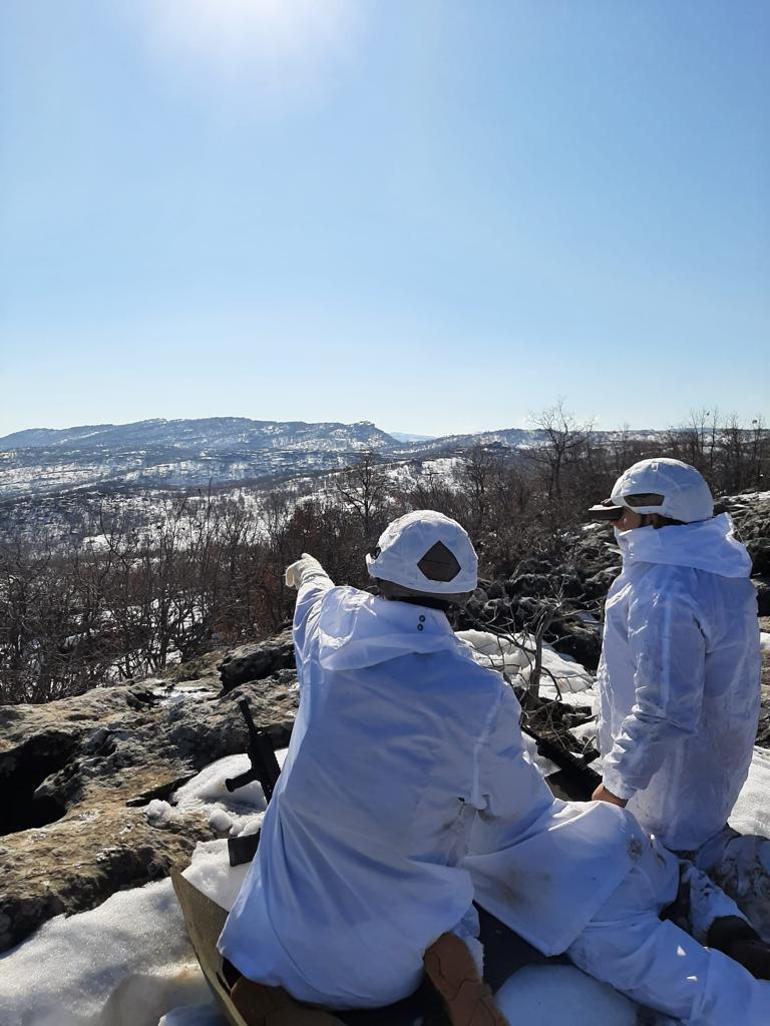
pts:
pixel 680 697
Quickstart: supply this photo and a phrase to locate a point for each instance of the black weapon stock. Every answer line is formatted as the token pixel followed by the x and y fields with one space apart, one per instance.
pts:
pixel 265 769
pixel 264 765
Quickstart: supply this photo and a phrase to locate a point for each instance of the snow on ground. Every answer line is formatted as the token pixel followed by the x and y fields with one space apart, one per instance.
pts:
pixel 751 814
pixel 210 871
pixel 515 656
pixel 753 497
pixel 561 995
pixel 228 813
pixel 193 1015
pixel 764 641
pixel 124 963
pixel 231 813
pixel 563 678
pixel 128 962
pixel 439 471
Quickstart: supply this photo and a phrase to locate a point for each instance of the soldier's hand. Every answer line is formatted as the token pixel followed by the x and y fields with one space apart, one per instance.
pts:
pixel 295 573
pixel 601 794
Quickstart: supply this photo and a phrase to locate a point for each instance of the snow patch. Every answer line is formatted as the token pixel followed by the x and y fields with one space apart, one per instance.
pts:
pixel 229 812
pixel 160 813
pixel 208 788
pixel 124 963
pixel 515 656
pixel 210 871
pixel 560 995
pixel 751 814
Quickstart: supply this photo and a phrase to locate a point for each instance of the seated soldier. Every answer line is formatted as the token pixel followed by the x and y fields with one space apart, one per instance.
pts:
pixel 401 744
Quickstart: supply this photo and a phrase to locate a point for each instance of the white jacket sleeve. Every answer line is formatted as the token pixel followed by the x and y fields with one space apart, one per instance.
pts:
pixel 668 651
pixel 313 585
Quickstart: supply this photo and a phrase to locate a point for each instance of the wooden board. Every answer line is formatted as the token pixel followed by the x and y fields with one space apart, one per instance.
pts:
pixel 504 953
pixel 205 920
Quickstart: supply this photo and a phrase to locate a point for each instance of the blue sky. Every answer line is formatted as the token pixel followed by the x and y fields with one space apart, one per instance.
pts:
pixel 439 216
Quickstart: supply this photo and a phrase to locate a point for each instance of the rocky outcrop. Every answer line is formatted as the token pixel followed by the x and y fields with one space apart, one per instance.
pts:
pixel 75 776
pixel 759 550
pixel 762 584
pixel 750 512
pixel 257 661
pixel 751 515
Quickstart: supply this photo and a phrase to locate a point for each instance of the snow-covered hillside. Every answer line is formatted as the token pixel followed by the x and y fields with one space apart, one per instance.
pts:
pixel 173 454
pixel 77 511
pixel 212 433
pixel 213 451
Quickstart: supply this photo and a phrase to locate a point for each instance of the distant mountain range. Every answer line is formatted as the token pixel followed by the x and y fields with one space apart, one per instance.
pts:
pixel 401 437
pixel 176 453
pixel 215 450
pixel 215 434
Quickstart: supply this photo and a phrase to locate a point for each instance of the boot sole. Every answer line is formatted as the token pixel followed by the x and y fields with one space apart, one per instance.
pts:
pixel 451 970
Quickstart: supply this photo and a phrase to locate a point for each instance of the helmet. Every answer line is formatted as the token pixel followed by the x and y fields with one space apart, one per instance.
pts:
pixel 425 553
pixel 665 486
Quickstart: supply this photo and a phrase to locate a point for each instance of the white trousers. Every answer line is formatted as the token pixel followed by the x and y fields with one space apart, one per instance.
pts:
pixel 656 963
pixel 740 865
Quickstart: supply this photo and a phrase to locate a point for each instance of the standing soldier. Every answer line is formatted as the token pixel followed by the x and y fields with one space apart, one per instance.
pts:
pixel 679 675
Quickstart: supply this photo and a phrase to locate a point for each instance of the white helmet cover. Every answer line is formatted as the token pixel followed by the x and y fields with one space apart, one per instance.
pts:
pixel 686 496
pixel 408 541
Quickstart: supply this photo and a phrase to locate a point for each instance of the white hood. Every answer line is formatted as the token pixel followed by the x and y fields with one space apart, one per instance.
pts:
pixel 358 630
pixel 708 545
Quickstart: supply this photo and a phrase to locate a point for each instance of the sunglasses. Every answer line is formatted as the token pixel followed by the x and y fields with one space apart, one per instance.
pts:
pixel 607 510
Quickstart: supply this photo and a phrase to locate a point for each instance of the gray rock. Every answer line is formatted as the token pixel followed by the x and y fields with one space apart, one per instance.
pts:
pixel 582 643
pixel 759 550
pixel 762 584
pixel 76 773
pixel 257 661
pixel 597 586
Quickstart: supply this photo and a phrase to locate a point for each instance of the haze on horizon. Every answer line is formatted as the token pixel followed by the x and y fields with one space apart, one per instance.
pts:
pixel 437 217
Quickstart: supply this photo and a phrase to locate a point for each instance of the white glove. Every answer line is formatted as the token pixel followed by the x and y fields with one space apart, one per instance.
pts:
pixel 301 571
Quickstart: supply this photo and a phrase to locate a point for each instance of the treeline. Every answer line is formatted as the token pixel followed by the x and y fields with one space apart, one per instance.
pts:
pixel 122 599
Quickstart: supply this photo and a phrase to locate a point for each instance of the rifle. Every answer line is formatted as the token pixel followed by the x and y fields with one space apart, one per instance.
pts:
pixel 575 780
pixel 265 769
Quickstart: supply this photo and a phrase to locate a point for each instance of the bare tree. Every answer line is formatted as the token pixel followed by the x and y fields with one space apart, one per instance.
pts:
pixel 363 489
pixel 564 441
pixel 476 475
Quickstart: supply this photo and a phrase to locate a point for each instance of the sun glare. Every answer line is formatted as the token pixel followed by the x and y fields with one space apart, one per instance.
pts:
pixel 270 39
